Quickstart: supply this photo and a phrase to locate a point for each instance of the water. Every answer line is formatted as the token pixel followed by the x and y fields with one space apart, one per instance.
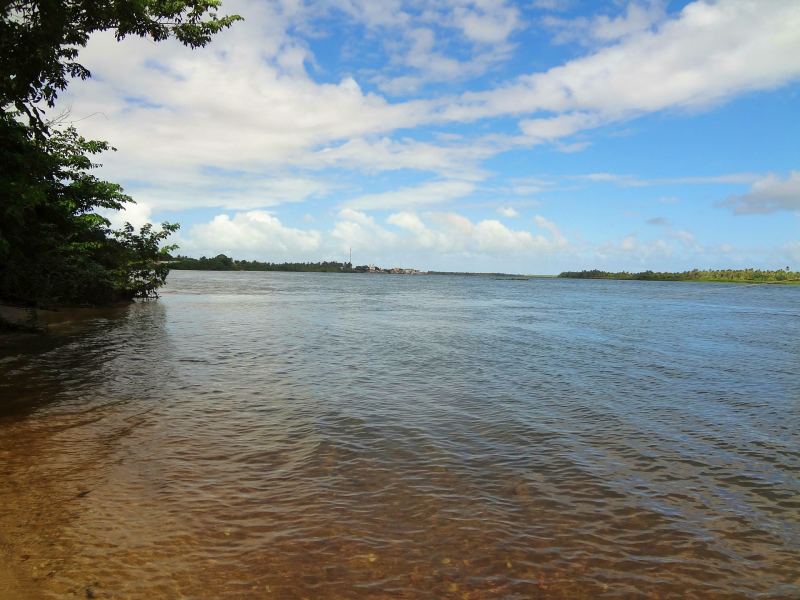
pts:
pixel 277 435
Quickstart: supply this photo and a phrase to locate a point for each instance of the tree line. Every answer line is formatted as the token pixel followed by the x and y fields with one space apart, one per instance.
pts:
pixel 221 262
pixel 721 275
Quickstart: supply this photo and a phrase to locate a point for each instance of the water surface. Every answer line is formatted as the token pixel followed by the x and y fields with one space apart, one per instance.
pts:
pixel 260 435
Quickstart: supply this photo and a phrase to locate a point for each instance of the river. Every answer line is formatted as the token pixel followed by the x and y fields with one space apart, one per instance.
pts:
pixel 301 435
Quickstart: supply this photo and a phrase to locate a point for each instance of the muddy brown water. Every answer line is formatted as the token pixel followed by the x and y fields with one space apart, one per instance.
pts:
pixel 269 435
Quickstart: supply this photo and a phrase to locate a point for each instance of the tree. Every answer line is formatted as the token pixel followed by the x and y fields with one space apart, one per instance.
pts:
pixel 143 271
pixel 54 247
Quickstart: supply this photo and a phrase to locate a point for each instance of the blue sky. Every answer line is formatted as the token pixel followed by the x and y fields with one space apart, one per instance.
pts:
pixel 533 137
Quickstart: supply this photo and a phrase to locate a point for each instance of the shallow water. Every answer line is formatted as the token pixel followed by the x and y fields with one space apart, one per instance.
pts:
pixel 287 435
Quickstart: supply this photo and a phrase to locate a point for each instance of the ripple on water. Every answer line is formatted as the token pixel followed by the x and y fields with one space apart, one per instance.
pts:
pixel 300 435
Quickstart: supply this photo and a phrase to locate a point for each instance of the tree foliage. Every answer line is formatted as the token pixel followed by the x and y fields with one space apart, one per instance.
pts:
pixel 724 275
pixel 221 262
pixel 144 269
pixel 54 249
pixel 54 246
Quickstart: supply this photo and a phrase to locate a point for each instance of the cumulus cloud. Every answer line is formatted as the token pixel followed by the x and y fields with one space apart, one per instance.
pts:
pixel 767 195
pixel 256 120
pixel 359 231
pixel 252 234
pixel 137 214
pixel 453 233
pixel 424 237
pixel 429 240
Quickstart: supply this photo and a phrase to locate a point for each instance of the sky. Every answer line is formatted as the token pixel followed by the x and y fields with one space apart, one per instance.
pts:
pixel 470 135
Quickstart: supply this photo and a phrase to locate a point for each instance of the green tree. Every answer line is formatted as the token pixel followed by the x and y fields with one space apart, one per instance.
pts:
pixel 54 247
pixel 143 270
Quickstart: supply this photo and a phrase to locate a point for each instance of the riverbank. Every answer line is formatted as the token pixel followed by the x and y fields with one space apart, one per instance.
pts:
pixel 745 276
pixel 736 281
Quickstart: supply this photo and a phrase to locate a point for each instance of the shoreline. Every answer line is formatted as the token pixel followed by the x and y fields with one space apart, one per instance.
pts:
pixel 16 320
pixel 508 276
pixel 735 281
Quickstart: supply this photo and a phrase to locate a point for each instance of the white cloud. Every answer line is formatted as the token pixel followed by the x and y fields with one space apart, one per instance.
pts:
pixel 430 193
pixel 431 240
pixel 452 158
pixel 555 232
pixel 632 181
pixel 767 195
pixel 258 234
pixel 508 211
pixel 136 214
pixel 486 21
pixel 254 121
pixel 183 189
pixel 555 5
pixel 638 17
pixel 251 234
pixel 358 231
pixel 707 54
pixel 418 54
pixel 542 130
pixel 490 236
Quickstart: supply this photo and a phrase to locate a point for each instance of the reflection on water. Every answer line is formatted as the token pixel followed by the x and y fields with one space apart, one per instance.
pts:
pixel 319 436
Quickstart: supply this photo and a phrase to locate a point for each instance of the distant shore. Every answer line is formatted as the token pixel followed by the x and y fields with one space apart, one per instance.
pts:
pixel 747 276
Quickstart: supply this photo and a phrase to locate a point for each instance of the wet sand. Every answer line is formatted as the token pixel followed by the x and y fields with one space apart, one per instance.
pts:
pixel 10 588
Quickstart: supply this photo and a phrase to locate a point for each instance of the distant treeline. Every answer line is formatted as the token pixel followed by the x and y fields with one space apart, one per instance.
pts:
pixel 220 262
pixel 470 274
pixel 722 275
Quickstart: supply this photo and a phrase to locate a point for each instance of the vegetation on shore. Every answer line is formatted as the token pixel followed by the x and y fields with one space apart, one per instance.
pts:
pixel 55 249
pixel 717 275
pixel 221 262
